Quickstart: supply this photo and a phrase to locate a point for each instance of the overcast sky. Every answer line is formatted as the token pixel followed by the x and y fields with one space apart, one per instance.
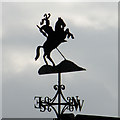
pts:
pixel 95 47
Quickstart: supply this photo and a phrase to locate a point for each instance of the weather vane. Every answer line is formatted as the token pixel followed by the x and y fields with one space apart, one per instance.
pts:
pixel 53 39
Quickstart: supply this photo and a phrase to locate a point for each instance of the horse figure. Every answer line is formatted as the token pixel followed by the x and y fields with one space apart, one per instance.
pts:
pixel 54 38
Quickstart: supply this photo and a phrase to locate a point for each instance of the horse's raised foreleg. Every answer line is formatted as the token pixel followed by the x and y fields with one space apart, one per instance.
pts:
pixel 45 59
pixel 69 33
pixel 48 56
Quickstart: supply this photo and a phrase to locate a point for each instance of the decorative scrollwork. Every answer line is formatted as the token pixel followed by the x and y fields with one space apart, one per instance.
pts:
pixel 47 100
pixel 70 104
pixel 62 87
pixel 55 87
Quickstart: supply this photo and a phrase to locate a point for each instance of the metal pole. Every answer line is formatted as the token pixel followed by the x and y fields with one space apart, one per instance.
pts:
pixel 59 95
pixel 61 53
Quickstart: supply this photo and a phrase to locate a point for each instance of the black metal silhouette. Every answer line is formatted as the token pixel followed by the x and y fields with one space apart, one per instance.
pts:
pixel 71 103
pixel 63 67
pixel 54 38
pixel 47 104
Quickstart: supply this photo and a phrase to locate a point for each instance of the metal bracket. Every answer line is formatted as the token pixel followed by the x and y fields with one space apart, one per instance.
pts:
pixel 47 104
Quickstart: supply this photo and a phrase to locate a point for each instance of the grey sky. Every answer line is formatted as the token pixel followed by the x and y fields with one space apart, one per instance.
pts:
pixel 95 47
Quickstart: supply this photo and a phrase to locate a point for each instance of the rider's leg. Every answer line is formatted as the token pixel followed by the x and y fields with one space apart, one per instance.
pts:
pixel 48 56
pixel 45 59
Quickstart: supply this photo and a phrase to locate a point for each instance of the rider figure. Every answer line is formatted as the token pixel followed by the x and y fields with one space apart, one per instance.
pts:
pixel 46 29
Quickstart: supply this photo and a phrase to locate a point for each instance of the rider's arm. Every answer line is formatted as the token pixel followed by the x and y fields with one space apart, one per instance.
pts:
pixel 41 30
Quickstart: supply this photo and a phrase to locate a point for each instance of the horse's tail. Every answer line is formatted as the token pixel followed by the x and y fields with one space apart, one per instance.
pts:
pixel 38 52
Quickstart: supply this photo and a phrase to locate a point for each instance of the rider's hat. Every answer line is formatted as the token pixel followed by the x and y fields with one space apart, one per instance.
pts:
pixel 46 17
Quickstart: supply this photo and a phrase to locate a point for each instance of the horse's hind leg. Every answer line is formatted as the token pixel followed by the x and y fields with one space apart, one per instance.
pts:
pixel 48 56
pixel 45 59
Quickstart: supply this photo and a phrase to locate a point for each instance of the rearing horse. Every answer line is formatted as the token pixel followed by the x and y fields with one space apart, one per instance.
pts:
pixel 54 39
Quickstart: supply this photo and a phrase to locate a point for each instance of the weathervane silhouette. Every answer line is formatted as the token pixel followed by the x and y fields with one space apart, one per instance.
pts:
pixel 54 39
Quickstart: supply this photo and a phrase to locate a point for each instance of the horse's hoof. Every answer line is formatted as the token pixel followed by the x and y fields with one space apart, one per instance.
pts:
pixel 72 37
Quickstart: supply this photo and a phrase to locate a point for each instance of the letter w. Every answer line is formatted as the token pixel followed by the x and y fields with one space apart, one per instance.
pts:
pixel 77 103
